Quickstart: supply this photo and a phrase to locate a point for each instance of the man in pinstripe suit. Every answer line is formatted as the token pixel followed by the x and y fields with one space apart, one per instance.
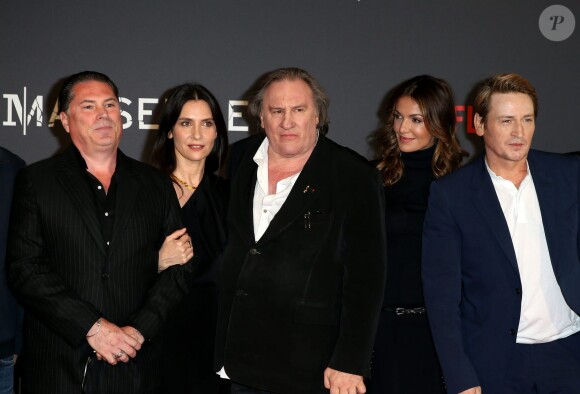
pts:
pixel 86 229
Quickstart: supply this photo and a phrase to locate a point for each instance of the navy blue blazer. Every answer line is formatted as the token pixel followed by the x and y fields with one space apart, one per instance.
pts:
pixel 11 321
pixel 470 274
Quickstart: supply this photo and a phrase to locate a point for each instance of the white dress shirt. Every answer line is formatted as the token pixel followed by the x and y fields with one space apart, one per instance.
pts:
pixel 266 206
pixel 545 316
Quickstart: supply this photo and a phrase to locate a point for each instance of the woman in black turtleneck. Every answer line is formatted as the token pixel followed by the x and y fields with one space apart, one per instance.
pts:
pixel 417 146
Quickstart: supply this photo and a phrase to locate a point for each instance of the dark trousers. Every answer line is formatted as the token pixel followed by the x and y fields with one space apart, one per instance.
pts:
pixel 241 389
pixel 552 367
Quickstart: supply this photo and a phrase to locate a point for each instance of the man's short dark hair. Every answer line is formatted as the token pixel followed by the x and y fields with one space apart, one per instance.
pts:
pixel 65 96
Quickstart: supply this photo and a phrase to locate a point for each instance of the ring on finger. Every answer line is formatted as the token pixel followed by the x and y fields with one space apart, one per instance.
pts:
pixel 118 355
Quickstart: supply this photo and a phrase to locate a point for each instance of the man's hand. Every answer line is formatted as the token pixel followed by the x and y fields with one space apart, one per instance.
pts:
pixel 343 383
pixel 473 390
pixel 113 343
pixel 176 249
pixel 134 333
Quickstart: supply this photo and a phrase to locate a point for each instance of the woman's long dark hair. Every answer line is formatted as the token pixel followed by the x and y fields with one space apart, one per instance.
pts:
pixel 435 99
pixel 163 155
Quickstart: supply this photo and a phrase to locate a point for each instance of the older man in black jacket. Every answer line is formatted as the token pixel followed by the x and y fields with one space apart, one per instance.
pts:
pixel 303 272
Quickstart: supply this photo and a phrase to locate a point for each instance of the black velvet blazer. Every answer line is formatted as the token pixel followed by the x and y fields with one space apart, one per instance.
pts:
pixel 307 295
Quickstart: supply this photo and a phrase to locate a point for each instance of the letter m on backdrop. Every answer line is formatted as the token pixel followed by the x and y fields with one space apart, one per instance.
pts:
pixel 15 105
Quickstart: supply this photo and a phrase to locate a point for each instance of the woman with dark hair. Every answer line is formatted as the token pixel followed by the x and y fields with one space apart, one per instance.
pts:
pixel 418 145
pixel 189 146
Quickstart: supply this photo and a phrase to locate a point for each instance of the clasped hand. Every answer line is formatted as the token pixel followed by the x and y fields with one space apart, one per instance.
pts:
pixel 113 343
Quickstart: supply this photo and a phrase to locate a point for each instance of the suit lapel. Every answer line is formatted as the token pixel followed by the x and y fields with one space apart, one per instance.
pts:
pixel 128 189
pixel 311 182
pixel 547 198
pixel 487 203
pixel 71 177
pixel 241 205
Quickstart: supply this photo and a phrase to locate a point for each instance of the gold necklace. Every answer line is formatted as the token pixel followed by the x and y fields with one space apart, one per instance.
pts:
pixel 187 185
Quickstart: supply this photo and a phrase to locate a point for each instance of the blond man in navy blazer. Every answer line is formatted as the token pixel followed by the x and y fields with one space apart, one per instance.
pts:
pixel 501 262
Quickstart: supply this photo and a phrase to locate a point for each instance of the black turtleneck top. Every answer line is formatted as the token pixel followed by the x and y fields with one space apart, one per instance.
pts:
pixel 406 204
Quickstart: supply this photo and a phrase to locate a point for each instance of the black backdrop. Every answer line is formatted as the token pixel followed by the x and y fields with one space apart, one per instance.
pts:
pixel 358 49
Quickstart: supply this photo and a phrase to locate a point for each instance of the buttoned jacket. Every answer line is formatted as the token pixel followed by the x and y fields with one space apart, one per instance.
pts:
pixel 307 295
pixel 66 277
pixel 471 280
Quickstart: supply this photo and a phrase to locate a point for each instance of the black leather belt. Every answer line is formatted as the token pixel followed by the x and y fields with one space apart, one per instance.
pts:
pixel 410 311
pixel 405 311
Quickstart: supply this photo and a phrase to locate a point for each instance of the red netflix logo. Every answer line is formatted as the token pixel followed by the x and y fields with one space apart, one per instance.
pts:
pixel 468 119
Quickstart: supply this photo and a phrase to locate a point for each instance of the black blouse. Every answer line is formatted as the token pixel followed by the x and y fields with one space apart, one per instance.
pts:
pixel 204 217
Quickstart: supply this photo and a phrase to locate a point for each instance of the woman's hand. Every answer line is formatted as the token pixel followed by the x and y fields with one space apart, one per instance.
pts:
pixel 176 249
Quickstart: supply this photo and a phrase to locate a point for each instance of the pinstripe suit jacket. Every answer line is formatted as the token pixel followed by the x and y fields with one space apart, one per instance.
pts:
pixel 66 278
